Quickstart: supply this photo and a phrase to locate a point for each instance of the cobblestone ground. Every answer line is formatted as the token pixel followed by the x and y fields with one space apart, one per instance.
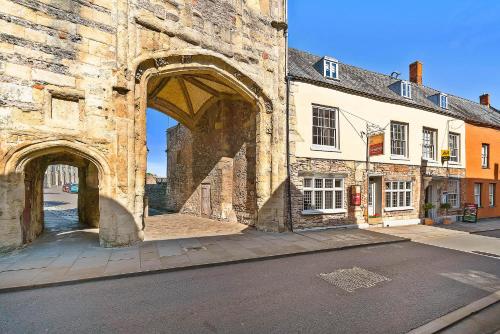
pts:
pixel 60 211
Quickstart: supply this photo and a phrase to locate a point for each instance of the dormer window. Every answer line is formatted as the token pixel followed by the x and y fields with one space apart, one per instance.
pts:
pixel 330 68
pixel 406 89
pixel 443 101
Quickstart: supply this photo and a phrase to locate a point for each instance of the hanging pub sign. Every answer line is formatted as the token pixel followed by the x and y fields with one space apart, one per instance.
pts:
pixel 445 156
pixel 470 213
pixel 376 144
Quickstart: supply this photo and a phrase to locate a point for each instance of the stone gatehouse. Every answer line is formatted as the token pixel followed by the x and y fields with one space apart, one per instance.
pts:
pixel 76 78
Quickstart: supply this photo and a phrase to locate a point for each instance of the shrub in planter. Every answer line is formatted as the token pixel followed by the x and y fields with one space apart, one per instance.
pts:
pixel 427 207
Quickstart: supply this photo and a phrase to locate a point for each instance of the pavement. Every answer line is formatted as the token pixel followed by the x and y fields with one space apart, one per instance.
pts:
pixel 471 238
pixel 67 252
pixel 390 288
pixel 484 322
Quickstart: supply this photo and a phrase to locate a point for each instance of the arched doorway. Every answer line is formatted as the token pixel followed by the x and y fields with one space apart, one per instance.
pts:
pixel 24 174
pixel 213 164
pixel 33 218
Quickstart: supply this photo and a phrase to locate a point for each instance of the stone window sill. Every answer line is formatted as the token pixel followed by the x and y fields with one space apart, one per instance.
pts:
pixel 398 157
pixel 323 212
pixel 401 208
pixel 324 148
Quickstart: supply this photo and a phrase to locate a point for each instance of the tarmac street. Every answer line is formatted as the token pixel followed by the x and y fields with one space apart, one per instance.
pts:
pixel 389 288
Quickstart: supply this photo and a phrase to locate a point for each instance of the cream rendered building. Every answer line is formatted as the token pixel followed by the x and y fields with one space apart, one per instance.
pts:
pixel 330 106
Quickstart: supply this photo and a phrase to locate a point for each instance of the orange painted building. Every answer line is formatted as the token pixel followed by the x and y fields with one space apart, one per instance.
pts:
pixel 482 185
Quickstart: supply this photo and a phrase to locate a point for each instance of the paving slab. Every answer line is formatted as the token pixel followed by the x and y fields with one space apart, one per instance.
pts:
pixel 447 238
pixel 68 252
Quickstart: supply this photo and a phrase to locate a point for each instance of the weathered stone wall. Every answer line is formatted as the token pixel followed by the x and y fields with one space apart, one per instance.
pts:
pixel 73 76
pixel 220 152
pixel 354 173
pixel 156 194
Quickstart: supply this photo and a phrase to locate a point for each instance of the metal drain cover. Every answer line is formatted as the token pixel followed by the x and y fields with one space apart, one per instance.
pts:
pixel 352 279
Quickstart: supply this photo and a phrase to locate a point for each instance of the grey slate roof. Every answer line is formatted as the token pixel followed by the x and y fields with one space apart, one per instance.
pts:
pixel 376 85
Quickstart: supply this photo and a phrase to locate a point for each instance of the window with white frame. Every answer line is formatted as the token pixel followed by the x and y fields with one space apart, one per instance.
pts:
pixel 443 101
pixel 491 194
pixel 324 127
pixel 330 68
pixel 485 155
pixel 429 144
pixel 323 195
pixel 453 197
pixel 398 195
pixel 406 89
pixel 477 193
pixel 454 146
pixel 399 139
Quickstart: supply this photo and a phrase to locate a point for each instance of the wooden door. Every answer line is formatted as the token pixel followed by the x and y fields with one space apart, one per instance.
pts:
pixel 206 209
pixel 27 209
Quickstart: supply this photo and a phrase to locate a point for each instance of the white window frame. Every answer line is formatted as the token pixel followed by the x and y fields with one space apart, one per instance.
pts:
pixel 454 157
pixel 404 132
pixel 485 155
pixel 327 68
pixel 453 196
pixel 477 193
pixel 491 194
pixel 443 101
pixel 395 189
pixel 429 143
pixel 406 89
pixel 310 185
pixel 321 145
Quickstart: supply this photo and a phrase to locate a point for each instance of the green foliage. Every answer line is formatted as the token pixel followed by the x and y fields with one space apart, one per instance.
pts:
pixel 428 206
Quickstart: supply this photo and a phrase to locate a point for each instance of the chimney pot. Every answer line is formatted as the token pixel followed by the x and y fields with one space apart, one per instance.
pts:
pixel 485 99
pixel 416 72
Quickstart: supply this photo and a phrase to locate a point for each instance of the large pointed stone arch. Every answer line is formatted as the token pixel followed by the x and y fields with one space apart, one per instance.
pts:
pixel 269 146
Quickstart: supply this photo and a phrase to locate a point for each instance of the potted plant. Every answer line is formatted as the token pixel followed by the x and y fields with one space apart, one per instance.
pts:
pixel 446 219
pixel 427 207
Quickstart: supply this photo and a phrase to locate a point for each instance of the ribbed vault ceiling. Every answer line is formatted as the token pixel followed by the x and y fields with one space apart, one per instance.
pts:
pixel 186 97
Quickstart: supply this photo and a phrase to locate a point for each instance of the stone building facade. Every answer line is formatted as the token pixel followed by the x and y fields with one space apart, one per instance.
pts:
pixel 76 78
pixel 332 107
pixel 57 175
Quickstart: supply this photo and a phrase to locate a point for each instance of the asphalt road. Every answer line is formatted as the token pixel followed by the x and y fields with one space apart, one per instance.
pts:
pixel 274 296
pixel 493 234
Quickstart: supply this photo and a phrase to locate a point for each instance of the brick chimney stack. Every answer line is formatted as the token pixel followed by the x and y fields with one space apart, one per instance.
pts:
pixel 416 72
pixel 485 99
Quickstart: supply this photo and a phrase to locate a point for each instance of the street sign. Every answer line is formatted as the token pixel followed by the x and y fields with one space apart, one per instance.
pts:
pixel 445 155
pixel 376 144
pixel 470 213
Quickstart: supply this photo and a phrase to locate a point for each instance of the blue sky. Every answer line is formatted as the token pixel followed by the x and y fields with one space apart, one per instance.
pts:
pixel 457 41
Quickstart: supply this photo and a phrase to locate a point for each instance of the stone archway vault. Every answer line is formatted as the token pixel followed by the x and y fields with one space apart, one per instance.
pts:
pixel 209 79
pixel 22 184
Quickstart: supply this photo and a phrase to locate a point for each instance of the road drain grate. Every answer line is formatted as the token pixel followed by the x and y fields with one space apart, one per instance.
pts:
pixel 485 253
pixel 352 279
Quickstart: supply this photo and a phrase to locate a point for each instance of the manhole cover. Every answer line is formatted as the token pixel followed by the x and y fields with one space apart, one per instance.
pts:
pixel 352 279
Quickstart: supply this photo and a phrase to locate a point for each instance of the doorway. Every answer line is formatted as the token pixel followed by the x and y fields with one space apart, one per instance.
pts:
pixel 375 197
pixel 431 196
pixel 61 196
